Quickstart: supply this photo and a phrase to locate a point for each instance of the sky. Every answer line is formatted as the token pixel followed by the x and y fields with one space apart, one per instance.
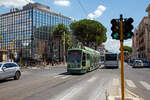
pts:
pixel 100 10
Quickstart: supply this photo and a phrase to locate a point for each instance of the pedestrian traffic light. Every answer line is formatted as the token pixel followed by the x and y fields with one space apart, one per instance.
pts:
pixel 127 28
pixel 115 29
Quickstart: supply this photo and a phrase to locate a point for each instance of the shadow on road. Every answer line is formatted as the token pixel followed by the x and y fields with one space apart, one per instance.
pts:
pixel 6 80
pixel 66 73
pixel 104 67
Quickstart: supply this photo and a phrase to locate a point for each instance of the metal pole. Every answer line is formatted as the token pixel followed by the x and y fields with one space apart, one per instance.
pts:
pixel 64 48
pixel 122 57
pixel 45 53
pixel 21 58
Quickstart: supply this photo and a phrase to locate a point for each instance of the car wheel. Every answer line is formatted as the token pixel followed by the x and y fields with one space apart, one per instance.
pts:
pixel 17 75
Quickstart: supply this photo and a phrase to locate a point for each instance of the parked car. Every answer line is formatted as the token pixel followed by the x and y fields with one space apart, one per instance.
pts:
pixel 9 70
pixel 138 63
pixel 146 64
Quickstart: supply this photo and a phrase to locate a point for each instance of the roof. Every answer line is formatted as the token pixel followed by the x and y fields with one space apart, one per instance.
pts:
pixel 38 8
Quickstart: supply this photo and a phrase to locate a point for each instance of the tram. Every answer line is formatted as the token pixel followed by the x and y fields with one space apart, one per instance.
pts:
pixel 82 59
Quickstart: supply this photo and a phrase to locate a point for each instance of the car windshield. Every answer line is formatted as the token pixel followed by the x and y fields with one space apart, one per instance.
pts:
pixel 138 62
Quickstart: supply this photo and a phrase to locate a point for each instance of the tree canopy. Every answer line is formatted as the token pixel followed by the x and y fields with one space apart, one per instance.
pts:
pixel 59 32
pixel 89 31
pixel 59 29
pixel 127 48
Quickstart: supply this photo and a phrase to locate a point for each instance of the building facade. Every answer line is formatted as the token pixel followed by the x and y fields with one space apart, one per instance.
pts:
pixel 135 44
pixel 143 39
pixel 28 32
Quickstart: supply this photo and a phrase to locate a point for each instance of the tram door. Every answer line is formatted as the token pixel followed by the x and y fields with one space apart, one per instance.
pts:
pixel 84 59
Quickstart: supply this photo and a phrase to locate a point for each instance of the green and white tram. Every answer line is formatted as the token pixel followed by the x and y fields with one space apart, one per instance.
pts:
pixel 82 59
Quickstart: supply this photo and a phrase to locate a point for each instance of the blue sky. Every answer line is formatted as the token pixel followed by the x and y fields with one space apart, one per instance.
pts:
pixel 100 10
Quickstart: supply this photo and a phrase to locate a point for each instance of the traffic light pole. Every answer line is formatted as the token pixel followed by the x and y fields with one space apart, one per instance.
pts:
pixel 122 57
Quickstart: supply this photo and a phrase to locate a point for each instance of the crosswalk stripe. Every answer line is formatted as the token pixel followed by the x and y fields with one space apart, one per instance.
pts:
pixel 146 85
pixel 130 83
pixel 115 82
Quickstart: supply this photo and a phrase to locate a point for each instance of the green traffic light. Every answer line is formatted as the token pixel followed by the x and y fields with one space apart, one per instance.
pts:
pixel 128 35
pixel 115 36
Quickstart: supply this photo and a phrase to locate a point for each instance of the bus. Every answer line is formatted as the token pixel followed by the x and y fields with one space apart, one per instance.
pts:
pixel 111 60
pixel 82 59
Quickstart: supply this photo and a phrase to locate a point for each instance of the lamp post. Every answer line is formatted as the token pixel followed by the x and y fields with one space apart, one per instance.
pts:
pixel 64 49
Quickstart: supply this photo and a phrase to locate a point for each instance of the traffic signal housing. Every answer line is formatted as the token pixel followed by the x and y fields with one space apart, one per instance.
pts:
pixel 115 29
pixel 127 28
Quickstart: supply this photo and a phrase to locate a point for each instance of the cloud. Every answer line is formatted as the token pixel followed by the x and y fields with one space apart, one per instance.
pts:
pixel 62 2
pixel 98 12
pixel 114 45
pixel 14 3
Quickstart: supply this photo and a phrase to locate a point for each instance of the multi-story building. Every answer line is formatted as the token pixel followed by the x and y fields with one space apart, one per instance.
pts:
pixel 28 31
pixel 135 44
pixel 143 39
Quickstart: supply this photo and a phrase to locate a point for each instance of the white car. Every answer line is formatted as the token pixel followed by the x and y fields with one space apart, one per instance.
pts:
pixel 9 70
pixel 138 63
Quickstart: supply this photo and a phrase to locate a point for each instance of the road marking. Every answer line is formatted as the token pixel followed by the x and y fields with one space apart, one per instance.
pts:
pixel 57 76
pixel 92 79
pixel 65 77
pixel 25 72
pixel 146 85
pixel 115 82
pixel 70 94
pixel 130 83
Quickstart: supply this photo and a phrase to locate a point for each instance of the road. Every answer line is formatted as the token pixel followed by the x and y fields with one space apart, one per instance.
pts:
pixel 56 84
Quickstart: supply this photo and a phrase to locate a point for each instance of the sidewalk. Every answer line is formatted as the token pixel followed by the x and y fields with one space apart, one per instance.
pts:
pixel 114 93
pixel 44 66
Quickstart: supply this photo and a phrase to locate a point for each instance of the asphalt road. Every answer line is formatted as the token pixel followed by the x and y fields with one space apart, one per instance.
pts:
pixel 56 84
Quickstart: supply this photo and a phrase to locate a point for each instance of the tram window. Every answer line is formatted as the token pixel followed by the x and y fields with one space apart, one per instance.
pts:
pixel 84 59
pixel 88 57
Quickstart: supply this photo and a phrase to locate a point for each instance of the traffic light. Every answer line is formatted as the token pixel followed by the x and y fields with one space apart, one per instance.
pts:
pixel 127 28
pixel 115 29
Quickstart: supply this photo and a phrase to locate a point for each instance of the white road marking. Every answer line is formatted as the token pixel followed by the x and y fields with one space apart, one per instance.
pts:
pixel 92 79
pixel 146 85
pixel 115 82
pixel 25 72
pixel 65 77
pixel 130 83
pixel 57 76
pixel 70 94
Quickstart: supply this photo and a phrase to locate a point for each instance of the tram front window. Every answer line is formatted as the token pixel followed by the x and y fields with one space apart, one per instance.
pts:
pixel 74 56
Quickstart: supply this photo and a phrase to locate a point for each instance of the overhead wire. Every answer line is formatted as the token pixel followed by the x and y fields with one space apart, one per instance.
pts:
pixel 84 10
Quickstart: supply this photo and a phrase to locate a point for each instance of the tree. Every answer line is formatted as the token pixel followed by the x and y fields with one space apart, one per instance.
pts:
pixel 127 49
pixel 58 33
pixel 89 32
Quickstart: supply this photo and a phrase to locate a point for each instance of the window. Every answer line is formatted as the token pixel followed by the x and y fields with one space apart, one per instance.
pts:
pixel 8 65
pixel 13 65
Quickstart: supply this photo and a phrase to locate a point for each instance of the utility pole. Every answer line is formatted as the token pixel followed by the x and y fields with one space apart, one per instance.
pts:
pixel 122 57
pixel 64 49
pixel 122 30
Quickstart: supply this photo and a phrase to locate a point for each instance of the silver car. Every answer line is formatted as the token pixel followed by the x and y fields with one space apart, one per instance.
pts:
pixel 138 63
pixel 9 70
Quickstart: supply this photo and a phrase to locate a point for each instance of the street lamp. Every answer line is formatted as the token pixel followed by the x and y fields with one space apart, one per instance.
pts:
pixel 64 49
